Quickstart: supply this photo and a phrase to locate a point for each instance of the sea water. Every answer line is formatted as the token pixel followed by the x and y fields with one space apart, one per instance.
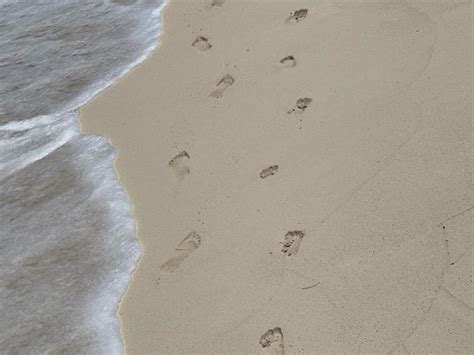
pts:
pixel 67 245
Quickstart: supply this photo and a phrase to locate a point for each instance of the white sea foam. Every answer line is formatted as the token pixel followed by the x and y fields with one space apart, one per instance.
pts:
pixel 67 246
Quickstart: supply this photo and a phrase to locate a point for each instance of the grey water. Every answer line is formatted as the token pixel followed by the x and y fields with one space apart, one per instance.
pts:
pixel 67 245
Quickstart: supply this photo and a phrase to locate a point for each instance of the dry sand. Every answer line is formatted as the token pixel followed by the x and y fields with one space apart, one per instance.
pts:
pixel 308 176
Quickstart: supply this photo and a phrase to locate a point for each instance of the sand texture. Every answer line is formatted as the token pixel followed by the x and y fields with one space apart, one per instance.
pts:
pixel 300 174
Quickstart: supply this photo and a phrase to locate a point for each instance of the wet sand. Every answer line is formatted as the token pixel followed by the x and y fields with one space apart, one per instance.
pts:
pixel 300 175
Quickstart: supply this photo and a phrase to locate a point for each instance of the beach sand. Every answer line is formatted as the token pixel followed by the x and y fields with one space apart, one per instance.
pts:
pixel 301 180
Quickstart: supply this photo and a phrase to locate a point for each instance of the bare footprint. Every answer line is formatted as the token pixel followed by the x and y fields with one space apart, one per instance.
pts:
pixel 222 85
pixel 272 340
pixel 182 251
pixel 178 164
pixel 217 3
pixel 271 170
pixel 297 16
pixel 301 105
pixel 292 242
pixel 201 43
pixel 288 62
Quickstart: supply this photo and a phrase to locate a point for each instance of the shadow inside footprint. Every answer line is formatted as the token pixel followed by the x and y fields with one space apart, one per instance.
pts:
pixel 271 170
pixel 178 164
pixel 222 85
pixel 217 3
pixel 292 242
pixel 273 341
pixel 201 43
pixel 182 251
pixel 288 62
pixel 297 16
pixel 301 105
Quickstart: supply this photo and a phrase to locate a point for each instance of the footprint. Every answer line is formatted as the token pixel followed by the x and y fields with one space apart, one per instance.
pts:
pixel 178 164
pixel 217 3
pixel 222 85
pixel 288 62
pixel 182 251
pixel 273 341
pixel 297 16
pixel 271 170
pixel 301 105
pixel 201 43
pixel 292 242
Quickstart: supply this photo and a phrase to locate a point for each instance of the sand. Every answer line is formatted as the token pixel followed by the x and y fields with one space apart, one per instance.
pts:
pixel 301 181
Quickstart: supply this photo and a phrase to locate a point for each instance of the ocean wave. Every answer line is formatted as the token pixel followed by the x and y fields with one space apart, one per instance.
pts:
pixel 67 245
pixel 56 55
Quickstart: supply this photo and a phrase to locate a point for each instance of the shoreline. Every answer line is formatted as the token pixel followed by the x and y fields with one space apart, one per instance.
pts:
pixel 65 218
pixel 238 91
